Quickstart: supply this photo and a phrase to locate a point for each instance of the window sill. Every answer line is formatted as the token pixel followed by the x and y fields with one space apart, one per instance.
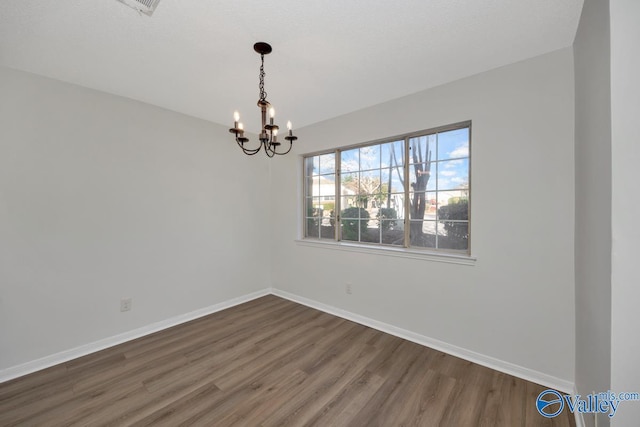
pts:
pixel 450 258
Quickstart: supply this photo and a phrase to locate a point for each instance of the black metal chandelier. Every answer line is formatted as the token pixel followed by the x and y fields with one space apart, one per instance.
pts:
pixel 269 133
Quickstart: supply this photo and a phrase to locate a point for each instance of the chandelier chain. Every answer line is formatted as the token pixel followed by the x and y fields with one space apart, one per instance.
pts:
pixel 263 94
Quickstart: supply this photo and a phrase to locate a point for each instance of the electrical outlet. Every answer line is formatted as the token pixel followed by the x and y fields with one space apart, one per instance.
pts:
pixel 125 304
pixel 347 288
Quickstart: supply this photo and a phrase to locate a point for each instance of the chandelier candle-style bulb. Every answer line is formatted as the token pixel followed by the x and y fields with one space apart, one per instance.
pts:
pixel 268 135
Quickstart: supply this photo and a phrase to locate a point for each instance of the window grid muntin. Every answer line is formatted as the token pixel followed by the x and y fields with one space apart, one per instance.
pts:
pixel 405 164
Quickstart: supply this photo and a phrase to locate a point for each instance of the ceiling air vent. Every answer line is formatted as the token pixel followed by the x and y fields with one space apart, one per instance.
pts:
pixel 143 6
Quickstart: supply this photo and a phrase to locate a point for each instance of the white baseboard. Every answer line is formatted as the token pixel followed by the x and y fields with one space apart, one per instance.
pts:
pixel 481 359
pixel 83 350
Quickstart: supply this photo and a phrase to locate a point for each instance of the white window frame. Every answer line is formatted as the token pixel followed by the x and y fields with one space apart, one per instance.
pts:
pixel 405 251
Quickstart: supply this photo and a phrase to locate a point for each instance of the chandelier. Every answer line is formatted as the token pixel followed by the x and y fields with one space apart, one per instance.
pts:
pixel 269 132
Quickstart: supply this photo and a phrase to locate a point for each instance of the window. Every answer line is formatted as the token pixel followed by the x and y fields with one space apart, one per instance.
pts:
pixel 412 191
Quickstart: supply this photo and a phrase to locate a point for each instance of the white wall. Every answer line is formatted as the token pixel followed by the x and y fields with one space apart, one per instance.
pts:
pixel 593 202
pixel 102 197
pixel 517 303
pixel 625 209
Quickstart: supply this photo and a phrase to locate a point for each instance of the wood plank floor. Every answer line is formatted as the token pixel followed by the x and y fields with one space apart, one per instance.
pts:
pixel 271 362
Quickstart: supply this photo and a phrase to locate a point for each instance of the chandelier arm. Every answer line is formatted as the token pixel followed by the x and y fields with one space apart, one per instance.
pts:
pixel 282 154
pixel 270 153
pixel 248 151
pixel 267 149
pixel 274 150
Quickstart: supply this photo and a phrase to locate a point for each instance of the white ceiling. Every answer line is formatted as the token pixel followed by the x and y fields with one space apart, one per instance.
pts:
pixel 329 57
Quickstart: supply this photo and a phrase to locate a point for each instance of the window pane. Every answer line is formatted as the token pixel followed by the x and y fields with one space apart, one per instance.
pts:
pixel 312 226
pixel 396 202
pixel 313 203
pixel 370 179
pixel 423 233
pixel 349 188
pixel 392 154
pixel 370 205
pixel 312 165
pixel 347 201
pixel 352 229
pixel 392 234
pixel 425 179
pixel 422 169
pixel 453 174
pixel 423 207
pixel 313 186
pixel 422 149
pixel 327 164
pixel 371 234
pixel 455 236
pixel 384 179
pixel 453 144
pixel 369 182
pixel 328 217
pixel 309 188
pixel 431 228
pixel 431 205
pixel 327 222
pixel 326 185
pixel 350 160
pixel 349 230
pixel 397 181
pixel 453 205
pixel 370 157
pixel 308 204
pixel 323 208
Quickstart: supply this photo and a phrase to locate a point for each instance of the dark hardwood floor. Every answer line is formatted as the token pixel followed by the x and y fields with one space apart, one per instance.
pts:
pixel 271 362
